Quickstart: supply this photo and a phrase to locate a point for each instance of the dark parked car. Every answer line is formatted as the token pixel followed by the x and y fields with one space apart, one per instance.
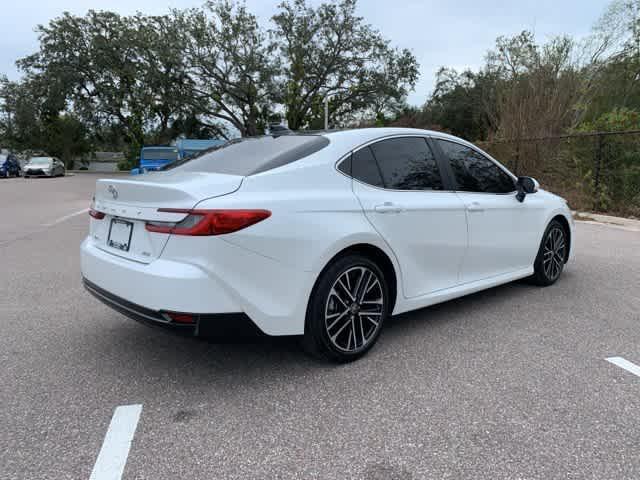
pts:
pixel 9 166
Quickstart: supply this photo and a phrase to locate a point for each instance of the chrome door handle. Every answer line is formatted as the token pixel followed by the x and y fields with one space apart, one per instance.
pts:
pixel 475 207
pixel 388 207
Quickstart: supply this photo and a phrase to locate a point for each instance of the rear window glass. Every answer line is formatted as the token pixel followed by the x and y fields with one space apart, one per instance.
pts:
pixel 365 168
pixel 407 164
pixel 248 156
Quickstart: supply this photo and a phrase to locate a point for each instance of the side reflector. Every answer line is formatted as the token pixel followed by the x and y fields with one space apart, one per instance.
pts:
pixel 208 222
pixel 96 214
pixel 181 317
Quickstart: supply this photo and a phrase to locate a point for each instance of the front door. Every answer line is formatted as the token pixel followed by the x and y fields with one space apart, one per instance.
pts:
pixel 503 232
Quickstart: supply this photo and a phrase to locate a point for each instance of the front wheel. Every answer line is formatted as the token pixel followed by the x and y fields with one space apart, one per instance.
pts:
pixel 551 255
pixel 347 309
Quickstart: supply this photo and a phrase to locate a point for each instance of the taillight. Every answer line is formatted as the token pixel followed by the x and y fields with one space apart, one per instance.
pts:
pixel 208 222
pixel 96 214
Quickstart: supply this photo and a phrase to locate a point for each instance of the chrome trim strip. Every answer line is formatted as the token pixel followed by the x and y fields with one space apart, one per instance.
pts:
pixel 430 135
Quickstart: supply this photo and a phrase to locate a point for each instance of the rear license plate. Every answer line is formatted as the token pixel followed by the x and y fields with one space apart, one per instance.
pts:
pixel 120 234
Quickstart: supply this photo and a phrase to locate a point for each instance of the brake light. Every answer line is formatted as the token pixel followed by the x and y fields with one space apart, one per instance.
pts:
pixel 96 214
pixel 208 222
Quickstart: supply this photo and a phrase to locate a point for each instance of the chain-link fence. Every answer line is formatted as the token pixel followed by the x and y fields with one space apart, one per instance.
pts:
pixel 597 171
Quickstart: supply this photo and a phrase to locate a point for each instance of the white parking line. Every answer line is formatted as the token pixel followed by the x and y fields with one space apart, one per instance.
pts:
pixel 626 364
pixel 117 442
pixel 66 217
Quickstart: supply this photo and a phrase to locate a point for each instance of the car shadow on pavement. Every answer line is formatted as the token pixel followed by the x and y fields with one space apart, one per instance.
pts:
pixel 139 344
pixel 129 350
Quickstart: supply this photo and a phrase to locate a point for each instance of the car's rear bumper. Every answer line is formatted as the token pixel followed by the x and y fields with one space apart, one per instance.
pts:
pixel 204 325
pixel 204 276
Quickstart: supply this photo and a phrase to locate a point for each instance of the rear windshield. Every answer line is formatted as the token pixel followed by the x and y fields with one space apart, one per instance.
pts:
pixel 248 156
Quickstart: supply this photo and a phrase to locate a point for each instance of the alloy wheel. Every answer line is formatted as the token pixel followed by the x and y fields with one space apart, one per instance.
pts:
pixel 554 253
pixel 354 309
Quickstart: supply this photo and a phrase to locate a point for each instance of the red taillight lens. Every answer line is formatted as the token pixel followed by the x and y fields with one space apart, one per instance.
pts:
pixel 181 317
pixel 96 214
pixel 208 222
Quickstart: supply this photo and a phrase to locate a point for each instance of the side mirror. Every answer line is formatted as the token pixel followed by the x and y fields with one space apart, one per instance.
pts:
pixel 526 186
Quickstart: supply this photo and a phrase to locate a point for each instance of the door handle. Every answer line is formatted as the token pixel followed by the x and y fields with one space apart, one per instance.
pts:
pixel 475 207
pixel 388 207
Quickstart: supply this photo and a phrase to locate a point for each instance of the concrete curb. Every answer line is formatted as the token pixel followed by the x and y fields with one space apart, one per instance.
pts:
pixel 628 224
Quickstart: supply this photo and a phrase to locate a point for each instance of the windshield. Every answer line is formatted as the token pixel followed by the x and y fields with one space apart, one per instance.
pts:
pixel 40 161
pixel 248 156
pixel 3 158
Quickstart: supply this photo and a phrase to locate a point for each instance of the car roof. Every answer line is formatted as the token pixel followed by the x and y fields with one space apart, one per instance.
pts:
pixel 364 135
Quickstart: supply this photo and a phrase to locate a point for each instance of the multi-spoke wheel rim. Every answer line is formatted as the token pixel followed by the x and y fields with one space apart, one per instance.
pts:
pixel 354 309
pixel 554 253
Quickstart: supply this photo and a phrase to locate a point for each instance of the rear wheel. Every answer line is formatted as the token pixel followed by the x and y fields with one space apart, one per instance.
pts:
pixel 347 309
pixel 551 255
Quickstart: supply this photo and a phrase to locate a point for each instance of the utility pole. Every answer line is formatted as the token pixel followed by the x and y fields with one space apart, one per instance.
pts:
pixel 326 112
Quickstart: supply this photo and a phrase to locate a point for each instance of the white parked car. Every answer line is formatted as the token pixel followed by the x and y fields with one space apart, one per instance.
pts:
pixel 44 167
pixel 323 235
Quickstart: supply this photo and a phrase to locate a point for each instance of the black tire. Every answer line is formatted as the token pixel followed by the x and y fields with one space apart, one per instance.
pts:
pixel 552 255
pixel 336 330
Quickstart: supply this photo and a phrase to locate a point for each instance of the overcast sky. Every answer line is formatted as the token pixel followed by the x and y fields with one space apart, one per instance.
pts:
pixel 455 33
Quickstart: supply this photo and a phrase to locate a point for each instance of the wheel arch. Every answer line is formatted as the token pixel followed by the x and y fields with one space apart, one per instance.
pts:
pixel 374 253
pixel 567 229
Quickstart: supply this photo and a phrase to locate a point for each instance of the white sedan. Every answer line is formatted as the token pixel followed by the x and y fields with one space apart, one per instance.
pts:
pixel 322 235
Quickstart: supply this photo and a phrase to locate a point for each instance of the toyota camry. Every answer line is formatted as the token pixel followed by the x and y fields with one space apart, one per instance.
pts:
pixel 321 235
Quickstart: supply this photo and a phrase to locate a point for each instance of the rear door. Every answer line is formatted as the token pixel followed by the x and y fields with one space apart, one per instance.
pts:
pixel 503 232
pixel 404 195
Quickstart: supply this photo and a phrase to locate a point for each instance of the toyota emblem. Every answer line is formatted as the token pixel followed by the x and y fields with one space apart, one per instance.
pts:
pixel 112 190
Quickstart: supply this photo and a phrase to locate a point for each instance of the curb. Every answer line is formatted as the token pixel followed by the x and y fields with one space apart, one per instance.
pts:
pixel 628 224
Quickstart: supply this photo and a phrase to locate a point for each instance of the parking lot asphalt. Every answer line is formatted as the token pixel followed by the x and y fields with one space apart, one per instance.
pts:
pixel 510 383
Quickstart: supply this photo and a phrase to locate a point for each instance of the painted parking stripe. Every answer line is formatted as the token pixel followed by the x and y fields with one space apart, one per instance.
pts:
pixel 66 217
pixel 117 442
pixel 626 364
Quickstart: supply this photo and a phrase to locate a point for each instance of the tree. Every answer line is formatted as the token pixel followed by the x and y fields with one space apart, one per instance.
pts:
pixel 330 51
pixel 20 118
pixel 231 66
pixel 464 103
pixel 67 137
pixel 538 86
pixel 108 68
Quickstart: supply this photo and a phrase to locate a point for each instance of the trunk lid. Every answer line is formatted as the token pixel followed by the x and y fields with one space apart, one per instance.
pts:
pixel 128 203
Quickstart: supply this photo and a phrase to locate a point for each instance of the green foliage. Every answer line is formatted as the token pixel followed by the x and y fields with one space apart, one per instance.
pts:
pixel 67 138
pixel 202 72
pixel 460 102
pixel 20 118
pixel 330 51
pixel 617 120
pixel 232 68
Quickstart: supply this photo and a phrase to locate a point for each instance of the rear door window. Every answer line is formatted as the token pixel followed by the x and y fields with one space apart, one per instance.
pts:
pixel 365 168
pixel 407 164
